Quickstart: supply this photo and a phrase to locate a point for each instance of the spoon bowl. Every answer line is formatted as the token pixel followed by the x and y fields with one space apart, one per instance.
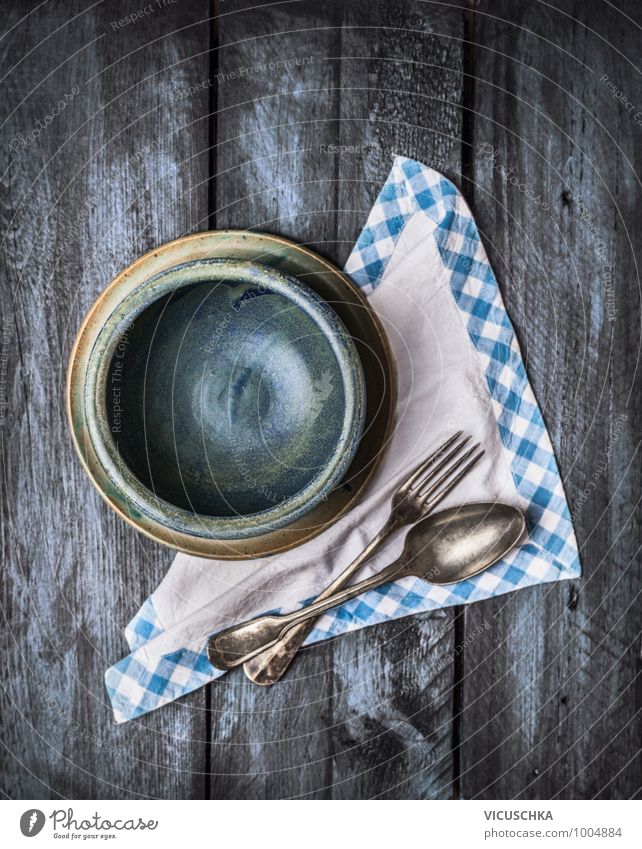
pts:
pixel 458 543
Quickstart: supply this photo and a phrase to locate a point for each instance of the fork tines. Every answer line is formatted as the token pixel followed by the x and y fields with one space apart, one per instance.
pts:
pixel 456 465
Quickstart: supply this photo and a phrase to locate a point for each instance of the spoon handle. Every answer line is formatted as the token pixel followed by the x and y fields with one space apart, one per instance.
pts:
pixel 238 644
pixel 269 666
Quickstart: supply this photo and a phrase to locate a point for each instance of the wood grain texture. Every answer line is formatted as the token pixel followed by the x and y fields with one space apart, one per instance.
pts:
pixel 371 710
pixel 271 114
pixel 401 92
pixel 551 702
pixel 106 180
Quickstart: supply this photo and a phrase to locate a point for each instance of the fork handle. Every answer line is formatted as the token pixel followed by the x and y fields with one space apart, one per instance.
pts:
pixel 240 643
pixel 269 666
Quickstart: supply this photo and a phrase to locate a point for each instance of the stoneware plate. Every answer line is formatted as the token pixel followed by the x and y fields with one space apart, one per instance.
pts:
pixel 217 401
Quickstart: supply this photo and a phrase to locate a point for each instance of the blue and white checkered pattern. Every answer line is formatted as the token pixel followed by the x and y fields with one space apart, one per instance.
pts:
pixel 550 554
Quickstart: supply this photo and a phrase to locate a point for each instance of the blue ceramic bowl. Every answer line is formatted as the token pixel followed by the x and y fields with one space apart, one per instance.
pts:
pixel 233 398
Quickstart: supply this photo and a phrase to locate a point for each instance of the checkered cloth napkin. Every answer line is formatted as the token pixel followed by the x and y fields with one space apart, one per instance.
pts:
pixel 422 264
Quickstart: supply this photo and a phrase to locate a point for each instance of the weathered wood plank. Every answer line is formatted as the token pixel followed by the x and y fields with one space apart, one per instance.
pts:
pixel 370 713
pixel 393 685
pixel 274 743
pixel 112 175
pixel 550 689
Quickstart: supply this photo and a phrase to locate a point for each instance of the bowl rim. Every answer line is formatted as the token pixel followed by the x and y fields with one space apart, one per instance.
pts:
pixel 304 262
pixel 216 270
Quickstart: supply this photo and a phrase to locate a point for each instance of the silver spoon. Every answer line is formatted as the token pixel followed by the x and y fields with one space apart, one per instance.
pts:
pixel 446 547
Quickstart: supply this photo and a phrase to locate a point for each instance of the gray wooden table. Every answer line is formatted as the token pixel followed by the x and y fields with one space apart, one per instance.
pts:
pixel 533 108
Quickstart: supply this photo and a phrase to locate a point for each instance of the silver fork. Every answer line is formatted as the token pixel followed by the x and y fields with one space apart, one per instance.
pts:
pixel 417 496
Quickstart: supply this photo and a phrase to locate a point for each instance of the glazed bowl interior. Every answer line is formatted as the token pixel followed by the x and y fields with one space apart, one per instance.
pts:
pixel 229 398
